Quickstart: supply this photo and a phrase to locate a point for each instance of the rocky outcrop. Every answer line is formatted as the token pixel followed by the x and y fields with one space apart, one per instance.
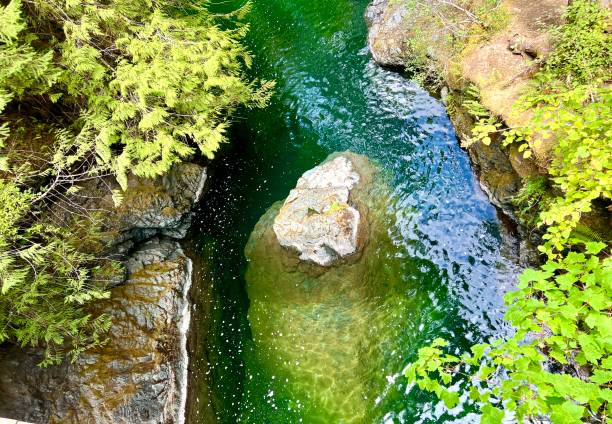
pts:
pixel 316 219
pixel 319 331
pixel 140 375
pixel 136 377
pixel 500 67
pixel 149 207
pixel 388 32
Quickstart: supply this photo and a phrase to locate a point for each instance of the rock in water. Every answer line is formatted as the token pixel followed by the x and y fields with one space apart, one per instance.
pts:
pixel 320 333
pixel 316 219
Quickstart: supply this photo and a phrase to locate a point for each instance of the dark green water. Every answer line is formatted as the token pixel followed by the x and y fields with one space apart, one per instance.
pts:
pixel 446 257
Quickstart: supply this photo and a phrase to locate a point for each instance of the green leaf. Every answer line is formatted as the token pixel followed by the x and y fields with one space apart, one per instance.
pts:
pixel 491 415
pixel 567 413
pixel 601 376
pixel 593 248
pixel 451 399
pixel 590 347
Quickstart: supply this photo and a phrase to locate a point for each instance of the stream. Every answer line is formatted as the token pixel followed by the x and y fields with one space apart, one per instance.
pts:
pixel 448 259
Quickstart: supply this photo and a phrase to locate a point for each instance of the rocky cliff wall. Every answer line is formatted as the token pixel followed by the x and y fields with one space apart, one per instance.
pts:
pixel 140 375
pixel 499 66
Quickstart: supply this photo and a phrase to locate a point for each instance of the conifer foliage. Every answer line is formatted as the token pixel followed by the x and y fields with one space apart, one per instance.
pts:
pixel 91 89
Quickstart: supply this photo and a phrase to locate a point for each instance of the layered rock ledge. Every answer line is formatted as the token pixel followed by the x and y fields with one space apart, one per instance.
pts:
pixel 140 375
pixel 137 377
pixel 388 32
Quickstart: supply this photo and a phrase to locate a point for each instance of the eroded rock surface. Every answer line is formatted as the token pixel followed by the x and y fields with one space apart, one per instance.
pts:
pixel 137 377
pixel 159 206
pixel 317 219
pixel 388 32
pixel 499 66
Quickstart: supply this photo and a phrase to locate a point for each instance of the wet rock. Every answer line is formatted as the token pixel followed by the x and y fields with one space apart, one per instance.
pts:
pixel 500 67
pixel 317 219
pixel 159 206
pixel 388 33
pixel 136 377
pixel 149 207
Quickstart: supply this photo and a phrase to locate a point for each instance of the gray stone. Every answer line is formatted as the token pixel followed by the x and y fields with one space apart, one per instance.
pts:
pixel 317 219
pixel 160 206
pixel 137 377
pixel 388 32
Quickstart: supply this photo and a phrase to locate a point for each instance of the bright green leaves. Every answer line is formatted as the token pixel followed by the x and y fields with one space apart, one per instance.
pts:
pixel 149 85
pixel 152 119
pixel 450 399
pixel 22 68
pixel 176 81
pixel 15 204
pixel 590 347
pixel 570 103
pixel 568 413
pixel 581 166
pixel 486 125
pixel 533 275
pixel 12 23
pixel 594 248
pixel 562 317
pixel 492 415
pixel 123 87
pixel 582 50
pixel 45 278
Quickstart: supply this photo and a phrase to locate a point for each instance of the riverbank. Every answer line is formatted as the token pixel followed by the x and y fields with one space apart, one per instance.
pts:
pixel 527 86
pixel 140 374
pixel 104 108
pixel 481 76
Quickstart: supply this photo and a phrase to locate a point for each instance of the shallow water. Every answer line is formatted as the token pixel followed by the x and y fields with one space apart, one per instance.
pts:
pixel 445 259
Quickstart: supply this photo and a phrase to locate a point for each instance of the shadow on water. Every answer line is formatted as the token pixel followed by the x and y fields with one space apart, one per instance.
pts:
pixel 447 256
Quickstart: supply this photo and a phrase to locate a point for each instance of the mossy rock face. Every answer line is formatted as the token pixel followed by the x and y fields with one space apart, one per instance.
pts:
pixel 136 376
pixel 322 331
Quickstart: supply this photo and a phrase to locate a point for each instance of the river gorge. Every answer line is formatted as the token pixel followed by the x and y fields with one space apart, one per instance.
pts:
pixel 289 347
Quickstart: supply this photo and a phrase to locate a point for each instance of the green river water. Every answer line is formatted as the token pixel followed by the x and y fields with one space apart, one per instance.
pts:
pixel 441 272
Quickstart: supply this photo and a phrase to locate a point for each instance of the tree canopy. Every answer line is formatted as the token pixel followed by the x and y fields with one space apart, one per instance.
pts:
pixel 92 89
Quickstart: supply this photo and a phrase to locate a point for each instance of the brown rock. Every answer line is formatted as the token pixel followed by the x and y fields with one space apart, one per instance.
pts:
pixel 136 377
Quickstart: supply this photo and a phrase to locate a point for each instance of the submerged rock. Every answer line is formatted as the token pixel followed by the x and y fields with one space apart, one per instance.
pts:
pixel 320 332
pixel 316 219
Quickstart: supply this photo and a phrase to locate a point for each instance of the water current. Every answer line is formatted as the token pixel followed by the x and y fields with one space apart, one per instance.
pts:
pixel 448 259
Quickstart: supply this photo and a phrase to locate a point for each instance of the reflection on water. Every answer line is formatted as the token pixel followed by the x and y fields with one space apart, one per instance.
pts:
pixel 445 258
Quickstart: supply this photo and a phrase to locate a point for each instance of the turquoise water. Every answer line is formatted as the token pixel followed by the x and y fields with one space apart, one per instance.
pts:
pixel 446 256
